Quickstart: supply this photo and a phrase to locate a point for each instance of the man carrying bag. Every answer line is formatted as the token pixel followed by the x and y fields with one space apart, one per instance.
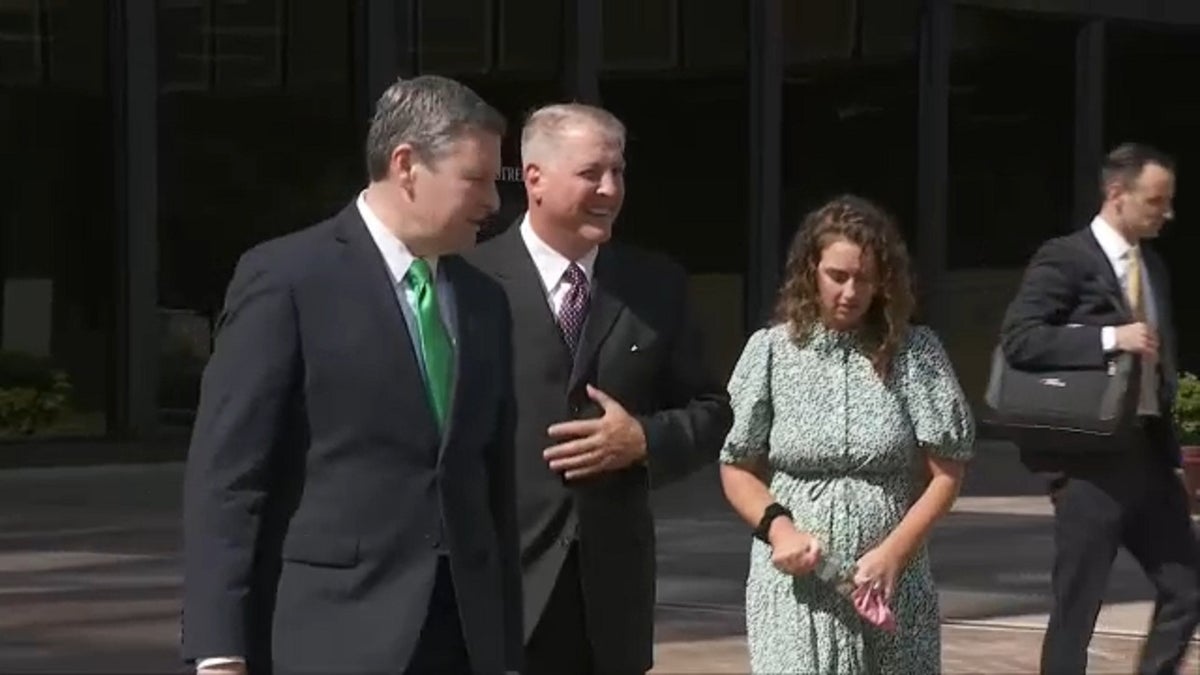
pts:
pixel 1093 312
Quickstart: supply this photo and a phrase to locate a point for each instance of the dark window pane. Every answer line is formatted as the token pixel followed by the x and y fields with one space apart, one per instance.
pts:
pixel 837 122
pixel 242 164
pixel 78 38
pixel 890 29
pixel 57 211
pixel 817 30
pixel 1011 136
pixel 715 34
pixel 455 36
pixel 531 34
pixel 183 45
pixel 639 34
pixel 318 44
pixel 20 43
pixel 248 38
pixel 1178 12
pixel 686 184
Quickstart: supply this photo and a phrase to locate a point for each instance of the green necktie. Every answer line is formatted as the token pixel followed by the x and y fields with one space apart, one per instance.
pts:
pixel 436 351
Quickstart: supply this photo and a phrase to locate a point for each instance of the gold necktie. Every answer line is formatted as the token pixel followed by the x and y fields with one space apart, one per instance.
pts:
pixel 1148 396
pixel 1133 284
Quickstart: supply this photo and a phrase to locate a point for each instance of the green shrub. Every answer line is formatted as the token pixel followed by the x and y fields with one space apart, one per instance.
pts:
pixel 1187 409
pixel 33 393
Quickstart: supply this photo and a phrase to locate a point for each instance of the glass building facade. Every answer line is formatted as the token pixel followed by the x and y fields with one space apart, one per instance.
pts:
pixel 148 143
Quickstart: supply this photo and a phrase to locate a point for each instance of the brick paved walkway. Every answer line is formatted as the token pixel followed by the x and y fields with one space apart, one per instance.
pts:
pixel 711 642
pixel 89 578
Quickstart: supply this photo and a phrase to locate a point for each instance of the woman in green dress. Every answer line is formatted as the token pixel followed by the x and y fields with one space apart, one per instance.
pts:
pixel 849 441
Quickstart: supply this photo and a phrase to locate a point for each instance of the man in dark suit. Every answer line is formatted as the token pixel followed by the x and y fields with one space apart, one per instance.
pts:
pixel 349 499
pixel 614 397
pixel 1085 298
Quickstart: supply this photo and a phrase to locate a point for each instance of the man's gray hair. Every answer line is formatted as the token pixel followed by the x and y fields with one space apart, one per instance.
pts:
pixel 546 125
pixel 429 113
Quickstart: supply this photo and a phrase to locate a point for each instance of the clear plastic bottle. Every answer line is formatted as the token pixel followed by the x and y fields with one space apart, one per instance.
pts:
pixel 835 570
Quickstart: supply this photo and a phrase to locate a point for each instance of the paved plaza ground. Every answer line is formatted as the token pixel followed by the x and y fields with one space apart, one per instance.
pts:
pixel 90 575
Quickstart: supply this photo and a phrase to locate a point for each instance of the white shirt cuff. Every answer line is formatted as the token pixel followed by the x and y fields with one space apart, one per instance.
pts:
pixel 1108 338
pixel 216 661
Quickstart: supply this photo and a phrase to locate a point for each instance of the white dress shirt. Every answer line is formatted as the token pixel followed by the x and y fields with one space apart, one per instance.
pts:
pixel 398 259
pixel 551 265
pixel 1117 249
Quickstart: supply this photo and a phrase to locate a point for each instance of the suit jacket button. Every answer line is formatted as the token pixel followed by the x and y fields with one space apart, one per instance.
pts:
pixel 565 542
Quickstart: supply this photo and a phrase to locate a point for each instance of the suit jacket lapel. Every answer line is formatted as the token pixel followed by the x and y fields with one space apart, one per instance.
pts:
pixel 1093 248
pixel 1157 274
pixel 464 328
pixel 528 299
pixel 373 283
pixel 603 311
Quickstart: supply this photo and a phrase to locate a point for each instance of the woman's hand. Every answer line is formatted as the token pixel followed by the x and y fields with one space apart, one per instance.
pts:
pixel 793 552
pixel 880 567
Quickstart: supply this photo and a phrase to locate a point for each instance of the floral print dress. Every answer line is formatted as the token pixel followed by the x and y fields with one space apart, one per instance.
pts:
pixel 843 446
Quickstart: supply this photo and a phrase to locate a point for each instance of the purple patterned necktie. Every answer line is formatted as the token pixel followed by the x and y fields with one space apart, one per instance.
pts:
pixel 574 306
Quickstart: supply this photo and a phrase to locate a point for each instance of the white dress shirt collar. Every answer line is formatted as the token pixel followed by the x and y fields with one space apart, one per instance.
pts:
pixel 1116 248
pixel 551 265
pixel 395 253
pixel 1113 243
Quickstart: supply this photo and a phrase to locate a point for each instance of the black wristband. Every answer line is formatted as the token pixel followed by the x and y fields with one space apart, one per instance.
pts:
pixel 773 511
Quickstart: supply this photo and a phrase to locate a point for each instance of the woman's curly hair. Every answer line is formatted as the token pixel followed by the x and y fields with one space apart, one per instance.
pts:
pixel 863 223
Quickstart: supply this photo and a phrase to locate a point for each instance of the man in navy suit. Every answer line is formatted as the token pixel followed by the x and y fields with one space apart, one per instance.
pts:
pixel 349 499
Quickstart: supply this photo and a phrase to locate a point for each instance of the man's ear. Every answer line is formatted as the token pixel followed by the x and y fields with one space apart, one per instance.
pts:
pixel 402 164
pixel 1113 189
pixel 531 174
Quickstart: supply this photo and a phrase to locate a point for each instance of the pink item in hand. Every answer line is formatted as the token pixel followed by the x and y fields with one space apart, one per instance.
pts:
pixel 871 606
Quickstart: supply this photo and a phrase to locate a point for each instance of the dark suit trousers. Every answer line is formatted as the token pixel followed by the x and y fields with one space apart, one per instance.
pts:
pixel 1131 499
pixel 441 647
pixel 559 644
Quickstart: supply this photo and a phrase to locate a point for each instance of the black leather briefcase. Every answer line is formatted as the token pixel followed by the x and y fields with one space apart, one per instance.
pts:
pixel 1062 410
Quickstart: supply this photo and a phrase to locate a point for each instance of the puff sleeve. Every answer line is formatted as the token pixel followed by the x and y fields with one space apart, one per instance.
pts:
pixel 750 398
pixel 937 408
